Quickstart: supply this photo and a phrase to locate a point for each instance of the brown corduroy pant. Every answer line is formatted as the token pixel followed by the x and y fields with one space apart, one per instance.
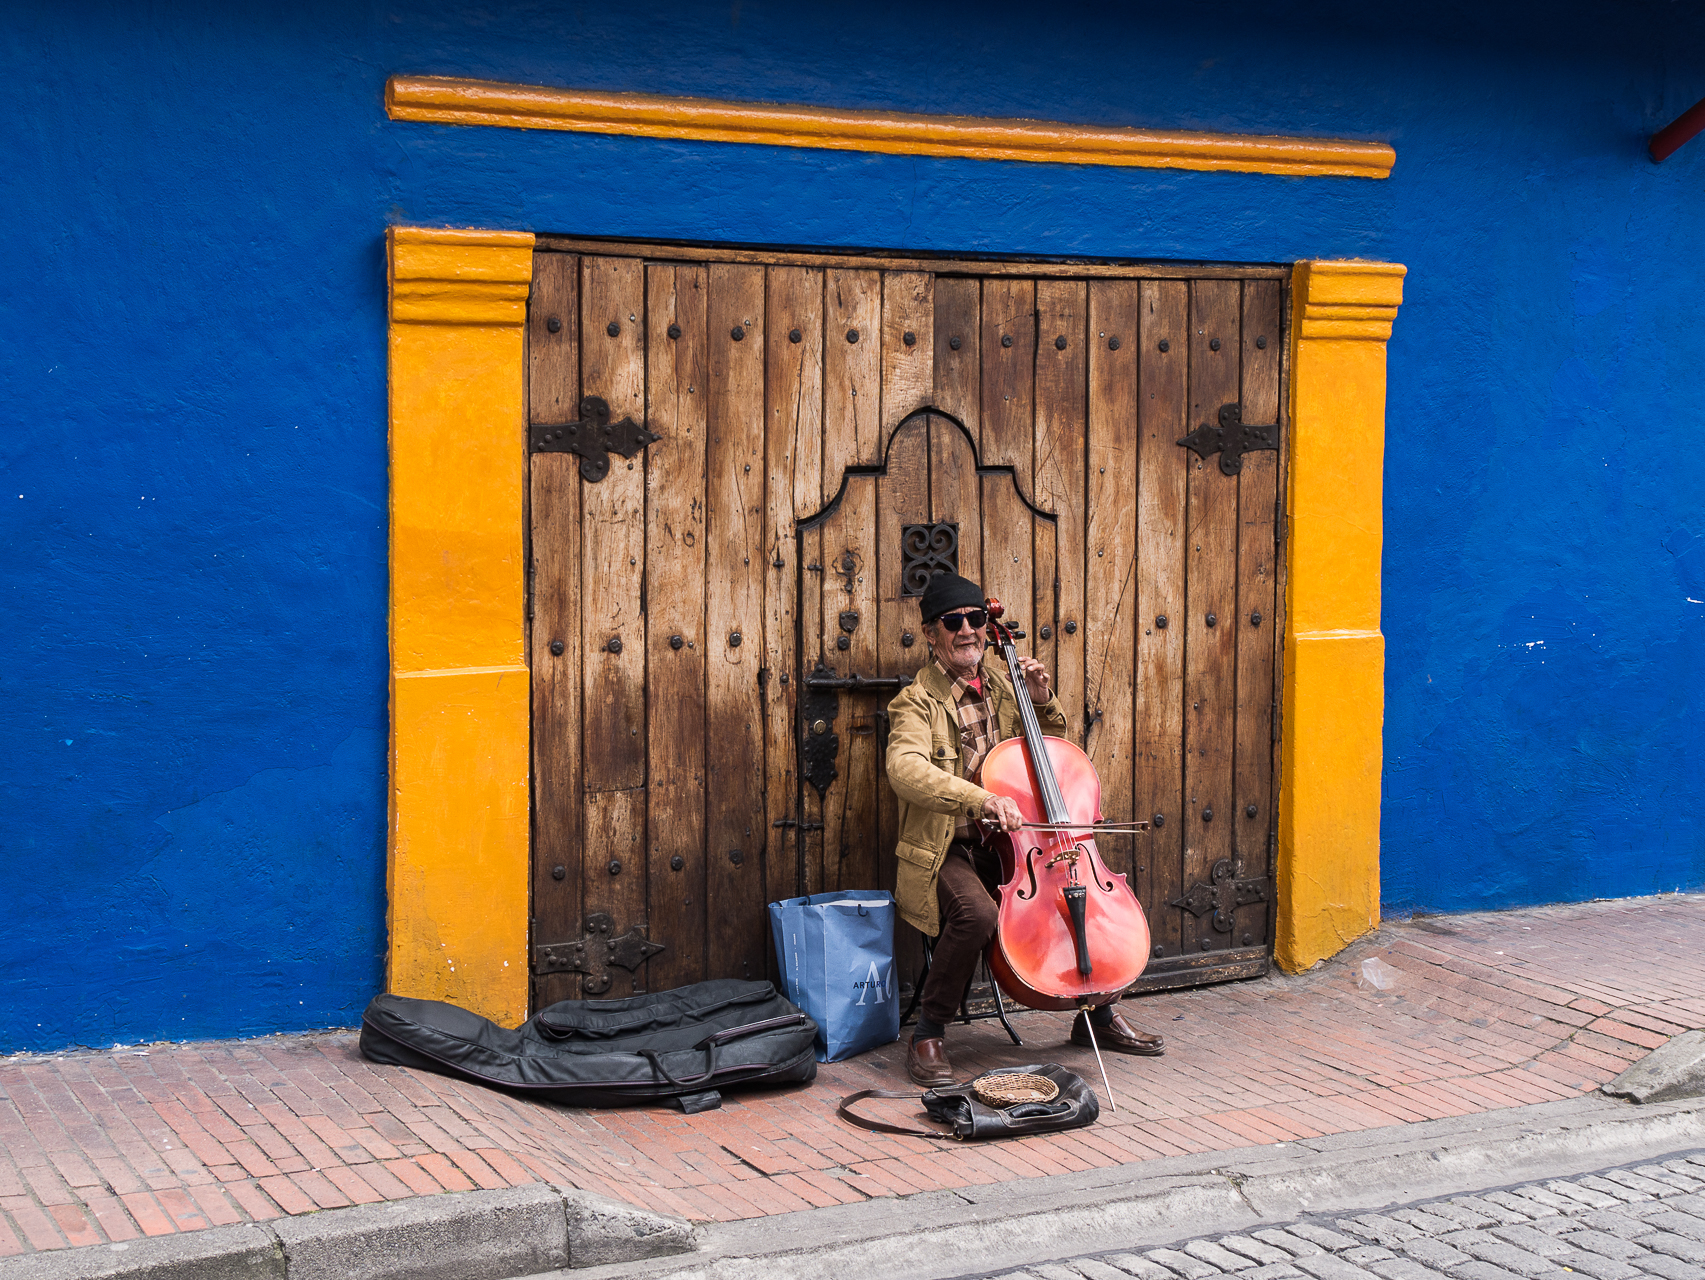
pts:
pixel 968 916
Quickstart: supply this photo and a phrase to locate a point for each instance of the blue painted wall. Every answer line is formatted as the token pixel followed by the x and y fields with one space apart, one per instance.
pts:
pixel 192 639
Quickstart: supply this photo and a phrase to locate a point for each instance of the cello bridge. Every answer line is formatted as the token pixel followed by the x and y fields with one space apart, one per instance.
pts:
pixel 1067 856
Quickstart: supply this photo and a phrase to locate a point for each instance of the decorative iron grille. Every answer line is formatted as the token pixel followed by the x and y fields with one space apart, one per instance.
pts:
pixel 926 550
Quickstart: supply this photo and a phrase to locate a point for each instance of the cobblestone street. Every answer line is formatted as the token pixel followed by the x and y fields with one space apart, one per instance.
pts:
pixel 1618 1224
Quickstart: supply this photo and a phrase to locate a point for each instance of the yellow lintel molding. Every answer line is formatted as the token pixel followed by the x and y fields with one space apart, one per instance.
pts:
pixel 1334 668
pixel 446 100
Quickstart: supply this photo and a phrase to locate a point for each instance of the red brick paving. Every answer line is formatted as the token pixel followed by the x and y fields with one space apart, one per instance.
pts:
pixel 1489 1011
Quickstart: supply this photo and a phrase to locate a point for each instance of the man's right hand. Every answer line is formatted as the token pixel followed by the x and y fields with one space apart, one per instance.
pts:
pixel 1005 810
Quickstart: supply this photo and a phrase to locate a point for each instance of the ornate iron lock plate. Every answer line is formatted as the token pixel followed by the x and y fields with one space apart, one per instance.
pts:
pixel 819 745
pixel 594 438
pixel 818 707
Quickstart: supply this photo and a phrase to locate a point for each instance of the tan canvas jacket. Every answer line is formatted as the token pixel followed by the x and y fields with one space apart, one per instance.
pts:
pixel 926 768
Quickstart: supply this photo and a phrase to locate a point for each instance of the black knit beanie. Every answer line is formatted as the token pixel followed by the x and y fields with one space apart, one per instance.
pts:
pixel 947 592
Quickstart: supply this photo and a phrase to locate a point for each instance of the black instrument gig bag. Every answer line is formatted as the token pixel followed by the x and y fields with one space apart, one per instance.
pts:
pixel 972 1120
pixel 682 1046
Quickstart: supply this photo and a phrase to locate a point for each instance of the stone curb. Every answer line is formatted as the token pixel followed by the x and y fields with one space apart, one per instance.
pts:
pixel 984 1229
pixel 468 1235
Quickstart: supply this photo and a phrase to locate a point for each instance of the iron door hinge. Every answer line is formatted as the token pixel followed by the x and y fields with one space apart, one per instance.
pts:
pixel 1231 439
pixel 593 438
pixel 1223 897
pixel 596 952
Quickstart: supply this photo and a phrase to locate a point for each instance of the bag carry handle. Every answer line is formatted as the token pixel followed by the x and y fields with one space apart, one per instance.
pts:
pixel 880 1126
pixel 750 1029
pixel 650 1055
pixel 711 1043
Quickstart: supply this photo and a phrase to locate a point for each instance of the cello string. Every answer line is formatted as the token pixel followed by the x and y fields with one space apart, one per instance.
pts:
pixel 1053 799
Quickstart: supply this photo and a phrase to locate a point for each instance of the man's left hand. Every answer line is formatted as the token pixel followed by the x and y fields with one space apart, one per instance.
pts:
pixel 1036 680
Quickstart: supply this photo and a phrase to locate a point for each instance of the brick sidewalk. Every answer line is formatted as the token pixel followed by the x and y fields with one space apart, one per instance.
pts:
pixel 1489 1011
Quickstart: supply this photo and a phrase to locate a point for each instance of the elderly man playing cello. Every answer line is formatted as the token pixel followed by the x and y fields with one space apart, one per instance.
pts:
pixel 941 727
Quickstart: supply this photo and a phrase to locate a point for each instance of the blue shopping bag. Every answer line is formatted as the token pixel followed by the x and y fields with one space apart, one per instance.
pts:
pixel 836 952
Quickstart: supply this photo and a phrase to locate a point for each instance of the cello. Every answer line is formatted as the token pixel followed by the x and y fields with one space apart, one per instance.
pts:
pixel 1071 933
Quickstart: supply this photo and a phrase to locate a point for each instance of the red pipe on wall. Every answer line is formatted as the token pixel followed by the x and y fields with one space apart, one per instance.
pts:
pixel 1669 139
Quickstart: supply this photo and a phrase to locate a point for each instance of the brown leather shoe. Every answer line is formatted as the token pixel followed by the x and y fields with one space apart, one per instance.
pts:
pixel 1121 1037
pixel 927 1064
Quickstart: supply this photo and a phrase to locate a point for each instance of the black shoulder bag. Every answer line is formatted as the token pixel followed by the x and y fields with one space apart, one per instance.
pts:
pixel 974 1120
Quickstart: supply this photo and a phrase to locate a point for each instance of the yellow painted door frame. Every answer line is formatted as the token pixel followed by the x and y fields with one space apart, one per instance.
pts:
pixel 457 867
pixel 457 872
pixel 1333 701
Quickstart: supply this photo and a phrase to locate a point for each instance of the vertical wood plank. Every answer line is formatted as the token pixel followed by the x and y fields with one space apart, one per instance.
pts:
pixel 1210 652
pixel 902 497
pixel 553 392
pixel 615 833
pixel 908 368
pixel 793 398
pixel 958 342
pixel 1158 740
pixel 675 642
pixel 956 327
pixel 955 493
pixel 734 602
pixel 852 434
pixel 553 356
pixel 852 371
pixel 1058 485
pixel 1281 600
pixel 1008 325
pixel 612 534
pixel 1110 583
pixel 954 488
pixel 613 531
pixel 851 855
pixel 613 633
pixel 811 490
pixel 1009 378
pixel 1009 540
pixel 1257 513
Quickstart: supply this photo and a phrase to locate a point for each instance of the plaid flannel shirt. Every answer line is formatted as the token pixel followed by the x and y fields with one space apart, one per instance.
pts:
pixel 977 735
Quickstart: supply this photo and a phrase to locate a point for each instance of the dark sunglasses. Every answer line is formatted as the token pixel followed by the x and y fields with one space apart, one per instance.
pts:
pixel 978 618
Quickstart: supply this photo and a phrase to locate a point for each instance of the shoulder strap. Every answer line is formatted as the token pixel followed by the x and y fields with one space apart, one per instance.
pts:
pixel 846 1113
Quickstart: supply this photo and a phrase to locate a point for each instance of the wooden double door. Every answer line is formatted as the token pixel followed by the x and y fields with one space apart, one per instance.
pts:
pixel 742 470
